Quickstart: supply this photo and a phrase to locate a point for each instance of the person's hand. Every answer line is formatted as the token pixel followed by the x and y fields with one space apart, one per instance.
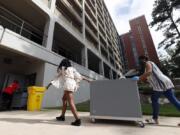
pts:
pixel 47 87
pixel 87 79
pixel 135 78
pixel 142 78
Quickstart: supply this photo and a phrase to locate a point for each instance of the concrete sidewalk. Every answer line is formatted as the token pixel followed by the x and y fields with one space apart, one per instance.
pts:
pixel 44 123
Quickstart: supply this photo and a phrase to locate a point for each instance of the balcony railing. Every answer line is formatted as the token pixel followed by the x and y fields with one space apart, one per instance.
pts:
pixel 12 22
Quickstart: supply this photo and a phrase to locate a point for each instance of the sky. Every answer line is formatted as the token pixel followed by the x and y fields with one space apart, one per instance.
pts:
pixel 122 11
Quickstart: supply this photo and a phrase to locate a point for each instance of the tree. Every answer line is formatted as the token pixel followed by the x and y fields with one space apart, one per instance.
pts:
pixel 163 18
pixel 171 65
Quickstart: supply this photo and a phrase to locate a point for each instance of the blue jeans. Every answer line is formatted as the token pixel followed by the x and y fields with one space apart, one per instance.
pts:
pixel 169 94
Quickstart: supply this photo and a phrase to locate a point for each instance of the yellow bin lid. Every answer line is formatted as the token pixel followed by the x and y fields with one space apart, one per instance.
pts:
pixel 32 89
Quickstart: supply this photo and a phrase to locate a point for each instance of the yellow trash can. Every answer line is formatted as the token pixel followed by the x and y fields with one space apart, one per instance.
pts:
pixel 35 96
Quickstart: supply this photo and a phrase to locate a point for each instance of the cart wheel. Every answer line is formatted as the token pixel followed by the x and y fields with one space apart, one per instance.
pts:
pixel 93 120
pixel 141 124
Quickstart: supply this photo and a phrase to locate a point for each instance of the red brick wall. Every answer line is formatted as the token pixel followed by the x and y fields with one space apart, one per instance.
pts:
pixel 141 21
pixel 128 50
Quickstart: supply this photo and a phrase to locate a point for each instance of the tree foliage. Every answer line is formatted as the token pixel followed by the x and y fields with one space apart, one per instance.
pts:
pixel 163 18
pixel 171 66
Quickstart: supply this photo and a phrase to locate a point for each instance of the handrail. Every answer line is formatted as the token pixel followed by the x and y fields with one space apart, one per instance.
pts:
pixel 21 27
pixel 7 11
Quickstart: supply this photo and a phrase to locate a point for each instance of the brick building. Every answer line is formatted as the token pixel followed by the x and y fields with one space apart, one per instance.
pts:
pixel 138 41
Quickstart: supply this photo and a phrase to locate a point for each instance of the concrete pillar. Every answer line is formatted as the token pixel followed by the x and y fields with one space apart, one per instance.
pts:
pixel 83 18
pixel 53 5
pixel 111 73
pixel 84 50
pixel 97 24
pixel 96 12
pixel 49 34
pixel 101 66
pixel 84 58
pixel 114 60
pixel 108 54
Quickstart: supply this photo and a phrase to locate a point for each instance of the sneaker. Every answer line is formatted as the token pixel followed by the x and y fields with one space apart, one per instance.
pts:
pixel 60 118
pixel 76 122
pixel 152 121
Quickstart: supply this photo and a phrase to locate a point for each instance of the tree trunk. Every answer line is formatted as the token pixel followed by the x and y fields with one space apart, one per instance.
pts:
pixel 177 30
pixel 172 20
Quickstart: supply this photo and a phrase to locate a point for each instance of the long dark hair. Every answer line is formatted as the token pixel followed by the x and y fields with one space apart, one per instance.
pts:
pixel 65 63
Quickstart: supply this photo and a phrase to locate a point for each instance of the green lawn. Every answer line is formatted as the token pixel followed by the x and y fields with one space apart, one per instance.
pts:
pixel 83 107
pixel 165 110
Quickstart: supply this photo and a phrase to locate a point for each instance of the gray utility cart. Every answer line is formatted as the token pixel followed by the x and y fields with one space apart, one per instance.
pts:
pixel 115 100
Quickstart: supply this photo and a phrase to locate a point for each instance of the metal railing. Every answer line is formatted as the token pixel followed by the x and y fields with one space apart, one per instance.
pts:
pixel 12 22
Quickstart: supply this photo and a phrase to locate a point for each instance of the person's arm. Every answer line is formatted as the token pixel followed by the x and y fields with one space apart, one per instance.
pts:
pixel 15 87
pixel 86 79
pixel 18 87
pixel 148 71
pixel 47 87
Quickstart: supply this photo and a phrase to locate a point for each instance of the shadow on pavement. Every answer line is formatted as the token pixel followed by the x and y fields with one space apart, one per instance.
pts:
pixel 163 125
pixel 85 121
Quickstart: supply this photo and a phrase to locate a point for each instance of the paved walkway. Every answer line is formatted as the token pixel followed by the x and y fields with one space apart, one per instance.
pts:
pixel 44 123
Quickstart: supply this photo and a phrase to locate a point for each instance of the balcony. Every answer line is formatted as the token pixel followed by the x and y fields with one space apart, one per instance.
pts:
pixel 68 12
pixel 94 36
pixel 66 44
pixel 76 6
pixel 99 3
pixel 29 24
pixel 102 32
pixel 91 15
pixel 103 42
pixel 91 25
pixel 101 21
pixel 102 39
pixel 104 52
pixel 92 39
pixel 93 62
pixel 107 70
pixel 114 75
pixel 91 5
pixel 110 51
pixel 112 61
pixel 100 14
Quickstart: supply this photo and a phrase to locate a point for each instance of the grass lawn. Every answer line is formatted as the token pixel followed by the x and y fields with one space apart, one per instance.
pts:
pixel 165 110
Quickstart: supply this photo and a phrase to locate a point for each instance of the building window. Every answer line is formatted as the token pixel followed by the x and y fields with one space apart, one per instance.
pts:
pixel 142 40
pixel 133 45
